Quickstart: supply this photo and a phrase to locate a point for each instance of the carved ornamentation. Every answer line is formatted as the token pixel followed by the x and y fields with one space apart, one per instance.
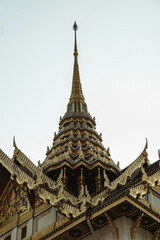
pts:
pixel 154 179
pixel 72 206
pixel 114 228
pixel 69 210
pixel 136 225
pixel 14 202
pixel 106 180
pixel 122 179
pixel 156 235
pixel 138 191
pixel 99 198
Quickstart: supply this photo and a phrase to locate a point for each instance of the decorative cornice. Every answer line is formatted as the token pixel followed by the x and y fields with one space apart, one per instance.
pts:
pixel 138 191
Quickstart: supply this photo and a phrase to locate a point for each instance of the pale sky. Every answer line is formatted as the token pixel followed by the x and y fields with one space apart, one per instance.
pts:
pixel 119 61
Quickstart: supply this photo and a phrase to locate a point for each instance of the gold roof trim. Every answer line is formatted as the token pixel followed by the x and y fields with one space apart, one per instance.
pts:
pixel 23 159
pixel 23 177
pixel 138 191
pixel 4 159
pixel 90 166
pixel 15 171
pixel 145 210
pixel 99 198
pixel 154 179
pixel 36 171
pixel 122 179
pixel 141 189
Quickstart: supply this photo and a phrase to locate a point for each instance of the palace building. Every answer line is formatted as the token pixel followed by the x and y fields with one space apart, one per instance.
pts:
pixel 78 192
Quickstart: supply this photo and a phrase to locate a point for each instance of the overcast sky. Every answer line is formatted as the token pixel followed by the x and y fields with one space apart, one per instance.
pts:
pixel 119 60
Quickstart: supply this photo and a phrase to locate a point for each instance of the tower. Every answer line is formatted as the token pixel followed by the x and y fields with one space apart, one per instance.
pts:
pixel 78 192
pixel 77 149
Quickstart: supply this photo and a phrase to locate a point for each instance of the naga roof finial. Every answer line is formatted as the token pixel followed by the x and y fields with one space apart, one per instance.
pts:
pixel 14 142
pixel 15 147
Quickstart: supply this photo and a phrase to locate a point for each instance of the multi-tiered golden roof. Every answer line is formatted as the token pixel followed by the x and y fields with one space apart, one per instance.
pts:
pixel 77 148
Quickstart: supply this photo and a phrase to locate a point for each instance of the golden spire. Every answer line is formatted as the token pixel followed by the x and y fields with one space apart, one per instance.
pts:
pixel 76 99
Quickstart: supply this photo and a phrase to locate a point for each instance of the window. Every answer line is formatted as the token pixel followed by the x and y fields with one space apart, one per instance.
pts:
pixel 24 232
pixel 8 237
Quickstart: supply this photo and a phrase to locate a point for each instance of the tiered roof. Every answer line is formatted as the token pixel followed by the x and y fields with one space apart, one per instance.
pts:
pixel 77 142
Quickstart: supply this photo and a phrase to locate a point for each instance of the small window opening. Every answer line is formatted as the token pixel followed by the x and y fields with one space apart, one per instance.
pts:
pixel 8 237
pixel 24 232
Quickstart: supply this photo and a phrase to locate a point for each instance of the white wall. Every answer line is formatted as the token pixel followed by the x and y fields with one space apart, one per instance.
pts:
pixel 41 221
pixel 44 219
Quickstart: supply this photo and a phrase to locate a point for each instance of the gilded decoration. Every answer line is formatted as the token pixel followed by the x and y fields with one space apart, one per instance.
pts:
pixel 72 205
pixel 14 202
pixel 152 181
pixel 113 226
pixel 99 197
pixel 156 235
pixel 136 225
pixel 138 191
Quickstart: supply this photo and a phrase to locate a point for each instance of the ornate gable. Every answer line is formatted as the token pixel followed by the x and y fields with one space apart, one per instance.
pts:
pixel 14 201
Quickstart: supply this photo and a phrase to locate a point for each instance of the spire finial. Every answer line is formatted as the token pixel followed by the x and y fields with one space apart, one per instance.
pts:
pixel 77 102
pixel 75 27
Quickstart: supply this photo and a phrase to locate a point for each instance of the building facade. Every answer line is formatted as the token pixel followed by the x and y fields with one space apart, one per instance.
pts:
pixel 78 192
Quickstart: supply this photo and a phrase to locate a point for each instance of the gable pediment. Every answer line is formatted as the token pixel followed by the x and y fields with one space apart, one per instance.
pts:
pixel 13 201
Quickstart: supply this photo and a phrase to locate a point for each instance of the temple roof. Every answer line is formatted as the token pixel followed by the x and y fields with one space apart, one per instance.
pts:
pixel 78 157
pixel 23 171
